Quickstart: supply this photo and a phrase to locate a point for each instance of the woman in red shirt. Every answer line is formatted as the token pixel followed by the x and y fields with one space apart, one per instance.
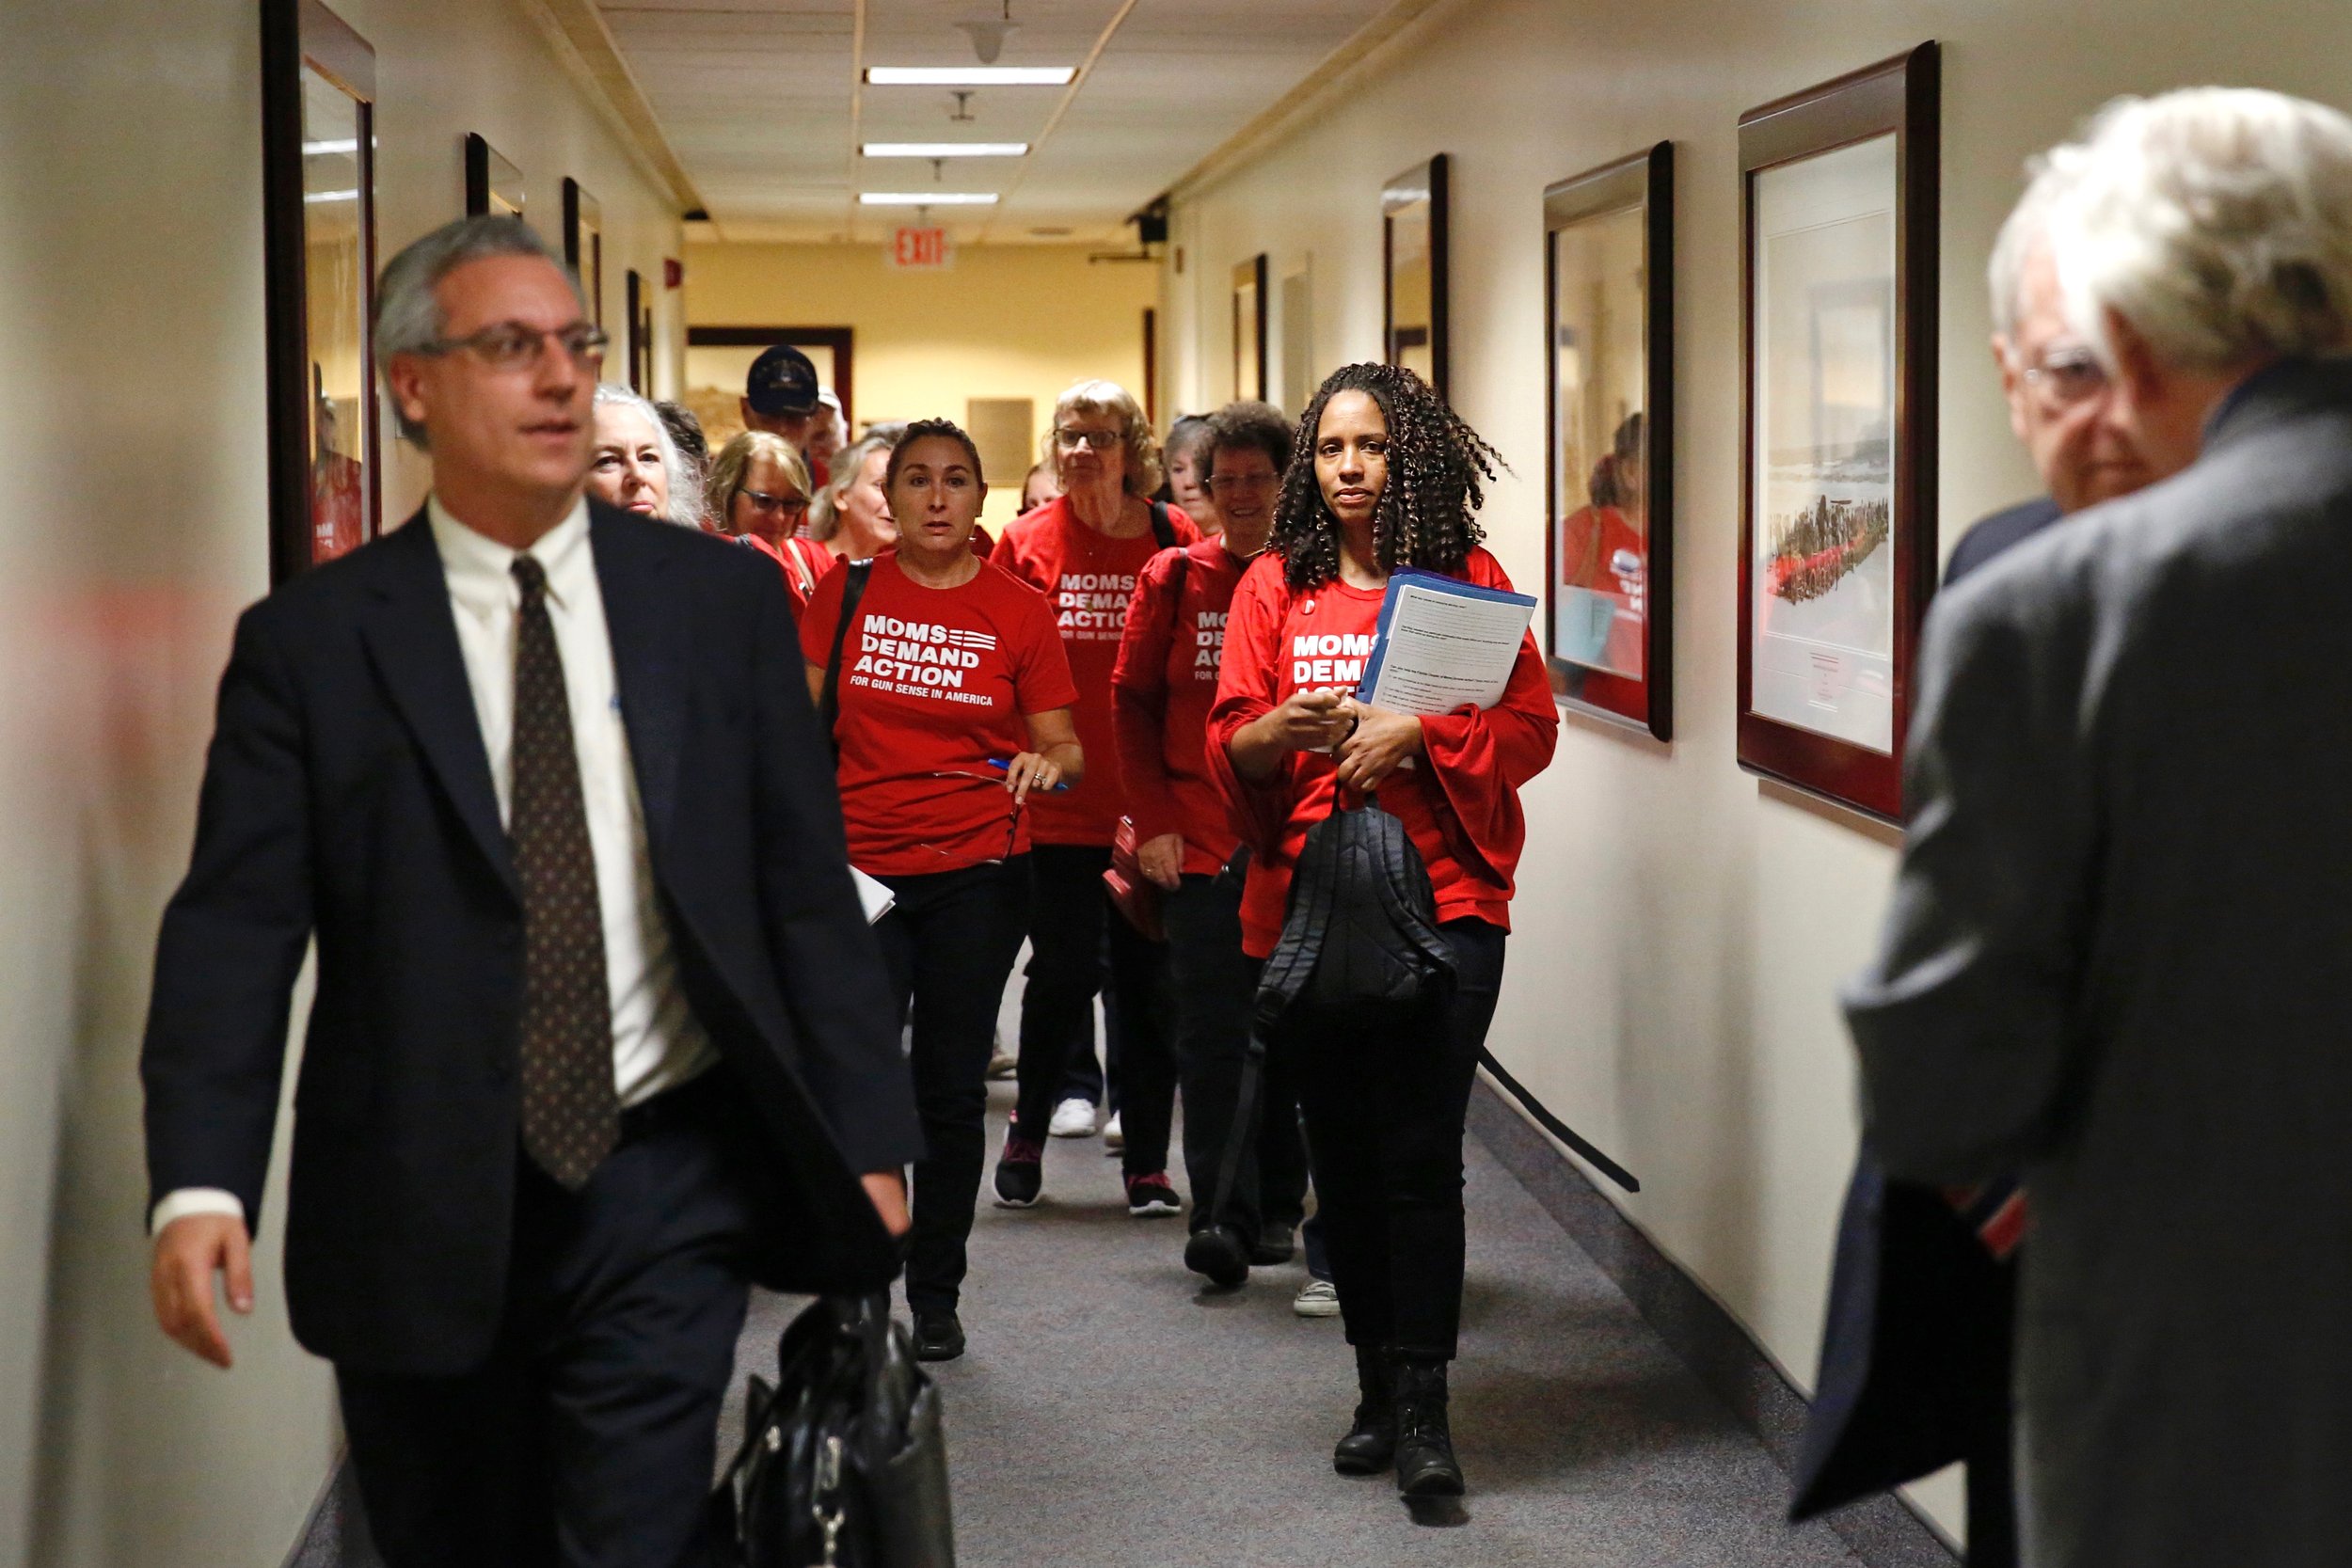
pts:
pixel 946 671
pixel 1084 550
pixel 1391 480
pixel 759 495
pixel 1163 687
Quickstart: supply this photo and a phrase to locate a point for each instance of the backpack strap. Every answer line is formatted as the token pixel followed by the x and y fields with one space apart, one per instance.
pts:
pixel 829 702
pixel 1163 525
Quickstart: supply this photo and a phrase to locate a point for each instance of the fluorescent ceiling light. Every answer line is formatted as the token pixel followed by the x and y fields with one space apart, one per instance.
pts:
pixel 319 148
pixel 969 76
pixel 928 198
pixel 354 196
pixel 946 148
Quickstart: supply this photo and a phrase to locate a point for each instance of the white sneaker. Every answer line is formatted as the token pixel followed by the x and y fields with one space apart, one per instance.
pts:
pixel 1317 1298
pixel 1072 1119
pixel 1114 1140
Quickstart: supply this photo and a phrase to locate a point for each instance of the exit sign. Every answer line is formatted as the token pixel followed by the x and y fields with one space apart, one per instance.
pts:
pixel 919 249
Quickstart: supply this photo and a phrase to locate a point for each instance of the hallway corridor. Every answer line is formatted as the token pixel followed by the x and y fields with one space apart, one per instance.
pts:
pixel 1110 1411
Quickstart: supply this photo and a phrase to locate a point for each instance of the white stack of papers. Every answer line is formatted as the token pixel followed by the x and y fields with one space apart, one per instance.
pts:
pixel 1443 644
pixel 876 898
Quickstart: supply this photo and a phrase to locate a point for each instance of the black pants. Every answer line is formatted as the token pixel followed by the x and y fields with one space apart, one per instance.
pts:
pixel 1070 917
pixel 1385 1095
pixel 589 1436
pixel 949 942
pixel 1215 987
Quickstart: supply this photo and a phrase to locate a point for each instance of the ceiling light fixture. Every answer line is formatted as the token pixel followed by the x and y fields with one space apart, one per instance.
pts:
pixel 969 76
pixel 945 149
pixel 926 198
pixel 988 36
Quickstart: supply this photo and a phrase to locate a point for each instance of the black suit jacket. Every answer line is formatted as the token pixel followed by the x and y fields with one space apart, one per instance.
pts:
pixel 1915 1354
pixel 347 795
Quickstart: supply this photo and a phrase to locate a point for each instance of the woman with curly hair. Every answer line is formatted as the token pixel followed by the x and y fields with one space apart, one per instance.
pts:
pixel 1386 476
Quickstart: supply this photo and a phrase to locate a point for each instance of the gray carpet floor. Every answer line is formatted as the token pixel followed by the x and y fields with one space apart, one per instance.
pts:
pixel 1113 1411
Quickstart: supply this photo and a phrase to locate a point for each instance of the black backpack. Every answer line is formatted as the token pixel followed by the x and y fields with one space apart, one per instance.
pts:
pixel 1362 926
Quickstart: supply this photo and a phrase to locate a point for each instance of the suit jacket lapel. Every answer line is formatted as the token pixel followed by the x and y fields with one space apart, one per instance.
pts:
pixel 411 634
pixel 648 661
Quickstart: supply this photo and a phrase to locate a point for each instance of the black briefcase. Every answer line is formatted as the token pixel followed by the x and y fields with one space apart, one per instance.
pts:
pixel 844 1464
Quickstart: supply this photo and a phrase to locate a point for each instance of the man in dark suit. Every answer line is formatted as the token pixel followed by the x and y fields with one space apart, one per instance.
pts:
pixel 1916 1353
pixel 2114 957
pixel 600 1033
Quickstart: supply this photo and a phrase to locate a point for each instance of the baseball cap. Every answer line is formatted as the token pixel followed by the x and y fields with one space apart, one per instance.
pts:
pixel 783 382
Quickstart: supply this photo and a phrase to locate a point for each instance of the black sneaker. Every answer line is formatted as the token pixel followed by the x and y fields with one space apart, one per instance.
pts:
pixel 938 1335
pixel 1275 1245
pixel 1218 1252
pixel 1020 1173
pixel 1148 1196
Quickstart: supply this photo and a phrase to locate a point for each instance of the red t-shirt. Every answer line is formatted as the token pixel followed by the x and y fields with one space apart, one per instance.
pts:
pixel 934 681
pixel 804 562
pixel 1163 689
pixel 1459 801
pixel 1087 578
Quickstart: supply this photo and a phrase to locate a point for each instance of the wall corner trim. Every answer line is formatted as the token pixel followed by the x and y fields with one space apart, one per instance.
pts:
pixel 578 32
pixel 1884 1531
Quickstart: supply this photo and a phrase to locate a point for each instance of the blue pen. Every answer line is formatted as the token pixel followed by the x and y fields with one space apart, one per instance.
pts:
pixel 1002 766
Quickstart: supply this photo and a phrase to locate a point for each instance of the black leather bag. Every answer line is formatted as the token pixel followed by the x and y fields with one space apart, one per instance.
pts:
pixel 844 1463
pixel 1362 926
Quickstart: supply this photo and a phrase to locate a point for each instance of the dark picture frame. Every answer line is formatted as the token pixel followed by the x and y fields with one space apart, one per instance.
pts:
pixel 326 447
pixel 493 183
pixel 640 331
pixel 583 243
pixel 1416 263
pixel 1837 387
pixel 1609 539
pixel 1250 328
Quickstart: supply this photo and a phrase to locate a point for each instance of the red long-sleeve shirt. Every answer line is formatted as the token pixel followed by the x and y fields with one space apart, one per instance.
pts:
pixel 1161 693
pixel 1460 801
pixel 1087 577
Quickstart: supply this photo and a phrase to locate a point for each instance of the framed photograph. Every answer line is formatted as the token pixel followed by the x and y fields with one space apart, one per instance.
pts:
pixel 1837 460
pixel 1609 546
pixel 493 184
pixel 318 106
pixel 1250 312
pixel 1413 290
pixel 583 243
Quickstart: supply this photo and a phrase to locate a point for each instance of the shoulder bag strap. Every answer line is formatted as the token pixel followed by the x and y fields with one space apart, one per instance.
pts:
pixel 829 703
pixel 1163 525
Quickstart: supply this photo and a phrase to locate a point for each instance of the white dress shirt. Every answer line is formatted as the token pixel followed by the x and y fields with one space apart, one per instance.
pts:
pixel 657 1044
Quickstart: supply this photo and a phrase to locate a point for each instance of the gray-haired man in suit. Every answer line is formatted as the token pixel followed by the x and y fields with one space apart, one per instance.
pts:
pixel 2117 948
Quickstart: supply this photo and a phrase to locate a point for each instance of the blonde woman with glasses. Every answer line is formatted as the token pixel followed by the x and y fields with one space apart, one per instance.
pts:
pixel 759 494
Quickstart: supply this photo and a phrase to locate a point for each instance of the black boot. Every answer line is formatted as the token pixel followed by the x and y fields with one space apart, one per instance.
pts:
pixel 1424 1444
pixel 1371 1443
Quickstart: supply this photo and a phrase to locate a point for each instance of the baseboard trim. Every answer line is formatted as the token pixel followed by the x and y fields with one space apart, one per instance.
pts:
pixel 1884 1531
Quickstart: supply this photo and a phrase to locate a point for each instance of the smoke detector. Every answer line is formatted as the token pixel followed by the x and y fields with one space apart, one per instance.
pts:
pixel 988 37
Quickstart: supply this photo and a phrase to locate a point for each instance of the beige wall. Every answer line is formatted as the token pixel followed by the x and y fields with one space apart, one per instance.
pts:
pixel 1681 927
pixel 131 328
pixel 1003 322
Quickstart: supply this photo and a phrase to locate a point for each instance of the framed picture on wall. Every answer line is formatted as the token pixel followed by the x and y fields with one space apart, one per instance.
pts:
pixel 1838 461
pixel 493 184
pixel 1608 543
pixel 638 331
pixel 318 107
pixel 1413 290
pixel 583 243
pixel 1249 323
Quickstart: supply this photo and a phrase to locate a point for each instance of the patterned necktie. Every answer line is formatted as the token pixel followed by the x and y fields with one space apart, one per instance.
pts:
pixel 570 1113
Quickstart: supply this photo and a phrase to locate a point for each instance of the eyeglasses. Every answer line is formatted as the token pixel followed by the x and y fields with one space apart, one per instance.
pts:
pixel 1101 440
pixel 1220 483
pixel 790 506
pixel 2066 377
pixel 513 346
pixel 1012 816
